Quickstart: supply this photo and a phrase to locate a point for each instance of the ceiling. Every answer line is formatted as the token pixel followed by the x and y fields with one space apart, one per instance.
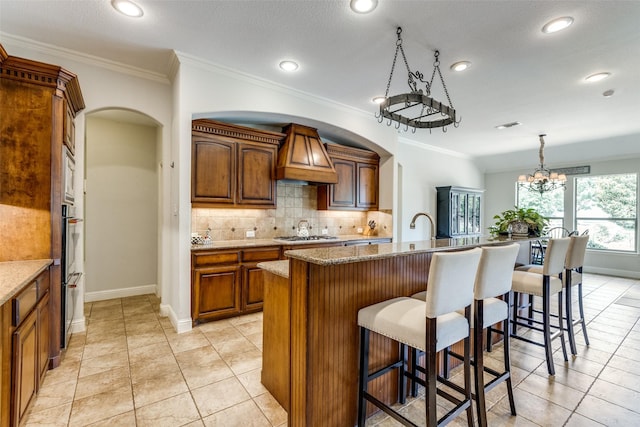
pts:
pixel 517 72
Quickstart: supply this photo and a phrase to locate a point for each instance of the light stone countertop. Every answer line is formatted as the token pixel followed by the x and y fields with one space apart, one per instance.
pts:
pixel 15 275
pixel 347 254
pixel 250 243
pixel 280 268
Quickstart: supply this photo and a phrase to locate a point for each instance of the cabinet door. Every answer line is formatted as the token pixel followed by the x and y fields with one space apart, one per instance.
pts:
pixel 252 288
pixel 43 336
pixel 367 196
pixel 216 293
pixel 343 194
pixel 256 175
pixel 213 171
pixel 25 366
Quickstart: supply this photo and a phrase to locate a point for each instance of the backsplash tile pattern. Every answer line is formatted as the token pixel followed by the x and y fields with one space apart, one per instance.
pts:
pixel 295 202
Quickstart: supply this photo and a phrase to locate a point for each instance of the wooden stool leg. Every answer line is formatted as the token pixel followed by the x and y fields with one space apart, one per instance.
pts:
pixel 546 326
pixel 569 313
pixel 507 359
pixel 478 366
pixel 364 376
pixel 581 308
pixel 431 374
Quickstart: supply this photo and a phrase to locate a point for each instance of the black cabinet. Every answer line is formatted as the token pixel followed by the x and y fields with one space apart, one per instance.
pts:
pixel 459 212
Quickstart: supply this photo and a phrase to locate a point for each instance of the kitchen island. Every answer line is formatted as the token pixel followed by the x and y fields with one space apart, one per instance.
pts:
pixel 310 357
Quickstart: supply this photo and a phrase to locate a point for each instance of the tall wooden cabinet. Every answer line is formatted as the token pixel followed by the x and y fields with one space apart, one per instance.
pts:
pixel 357 187
pixel 459 212
pixel 233 166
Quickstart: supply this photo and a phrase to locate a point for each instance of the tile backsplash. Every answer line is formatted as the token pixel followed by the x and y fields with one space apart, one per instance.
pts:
pixel 295 202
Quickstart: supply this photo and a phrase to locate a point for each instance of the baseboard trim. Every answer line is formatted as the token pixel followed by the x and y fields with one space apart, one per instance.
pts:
pixel 120 293
pixel 78 325
pixel 180 325
pixel 613 272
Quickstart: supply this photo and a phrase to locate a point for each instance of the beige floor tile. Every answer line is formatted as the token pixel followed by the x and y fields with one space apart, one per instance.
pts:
pixel 218 396
pixel 621 378
pixel 607 413
pixel 140 317
pixel 250 328
pixel 271 408
pixel 244 362
pixel 245 414
pixel 165 322
pixel 536 409
pixel 174 411
pixel 143 339
pixel 100 335
pixel 547 388
pixel 104 325
pixel 234 346
pixel 107 303
pixel 103 363
pixel 99 407
pixel 202 366
pixel 105 347
pixel 616 394
pixel 158 388
pixel 54 394
pixel 162 365
pixel 251 381
pixel 578 420
pixel 135 310
pixel 187 341
pixel 218 337
pixel 144 327
pixel 126 419
pixel 501 417
pixel 65 372
pixel 114 380
pixel 149 353
pixel 256 339
pixel 214 326
pixel 50 417
pixel 113 312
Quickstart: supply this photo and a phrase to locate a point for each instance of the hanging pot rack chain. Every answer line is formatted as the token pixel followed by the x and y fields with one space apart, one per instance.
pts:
pixel 416 98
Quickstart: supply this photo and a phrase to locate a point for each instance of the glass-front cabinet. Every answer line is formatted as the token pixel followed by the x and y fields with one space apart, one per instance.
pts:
pixel 458 212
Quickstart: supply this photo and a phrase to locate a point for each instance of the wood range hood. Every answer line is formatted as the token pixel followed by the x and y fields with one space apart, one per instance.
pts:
pixel 303 157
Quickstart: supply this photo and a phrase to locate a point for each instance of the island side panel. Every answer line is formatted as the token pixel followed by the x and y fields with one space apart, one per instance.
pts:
pixel 324 311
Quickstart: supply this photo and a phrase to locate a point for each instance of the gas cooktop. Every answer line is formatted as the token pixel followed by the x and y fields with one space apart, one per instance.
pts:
pixel 300 238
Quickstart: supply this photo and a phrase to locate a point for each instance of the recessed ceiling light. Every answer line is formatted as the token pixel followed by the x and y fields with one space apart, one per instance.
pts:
pixel 597 77
pixel 608 93
pixel 557 24
pixel 288 66
pixel 460 65
pixel 508 125
pixel 127 8
pixel 378 99
pixel 363 6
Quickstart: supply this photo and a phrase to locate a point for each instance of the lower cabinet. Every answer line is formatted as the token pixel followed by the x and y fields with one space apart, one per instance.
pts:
pixel 25 365
pixel 228 283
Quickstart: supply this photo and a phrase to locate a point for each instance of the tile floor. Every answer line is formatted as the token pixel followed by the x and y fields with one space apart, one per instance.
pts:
pixel 131 369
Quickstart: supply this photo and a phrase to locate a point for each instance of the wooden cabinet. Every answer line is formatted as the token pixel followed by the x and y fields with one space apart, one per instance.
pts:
pixel 38 103
pixel 459 212
pixel 233 166
pixel 25 365
pixel 228 283
pixel 357 187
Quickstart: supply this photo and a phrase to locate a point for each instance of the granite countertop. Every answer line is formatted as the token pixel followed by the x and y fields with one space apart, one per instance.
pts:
pixel 347 254
pixel 15 275
pixel 280 268
pixel 249 243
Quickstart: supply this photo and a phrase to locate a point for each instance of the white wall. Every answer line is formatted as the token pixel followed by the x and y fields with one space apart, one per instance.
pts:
pixel 121 205
pixel 500 195
pixel 423 169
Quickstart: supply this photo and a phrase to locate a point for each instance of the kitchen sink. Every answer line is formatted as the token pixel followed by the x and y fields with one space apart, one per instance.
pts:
pixel 300 238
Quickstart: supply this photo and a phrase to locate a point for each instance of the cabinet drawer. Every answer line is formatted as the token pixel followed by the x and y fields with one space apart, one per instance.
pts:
pixel 212 258
pixel 262 254
pixel 43 284
pixel 24 302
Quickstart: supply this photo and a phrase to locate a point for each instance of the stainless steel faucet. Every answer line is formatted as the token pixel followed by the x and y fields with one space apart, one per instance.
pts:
pixel 431 220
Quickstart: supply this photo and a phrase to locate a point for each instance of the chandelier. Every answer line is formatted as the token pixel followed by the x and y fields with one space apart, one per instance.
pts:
pixel 542 179
pixel 416 108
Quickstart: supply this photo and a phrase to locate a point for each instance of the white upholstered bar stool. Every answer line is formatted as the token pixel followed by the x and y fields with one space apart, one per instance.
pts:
pixel 571 277
pixel 428 326
pixel 491 306
pixel 542 285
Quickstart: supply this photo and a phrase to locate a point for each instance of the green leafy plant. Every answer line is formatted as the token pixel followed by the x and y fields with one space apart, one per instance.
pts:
pixel 536 222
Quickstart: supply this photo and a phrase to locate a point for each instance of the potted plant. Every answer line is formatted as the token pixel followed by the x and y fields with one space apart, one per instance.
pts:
pixel 514 220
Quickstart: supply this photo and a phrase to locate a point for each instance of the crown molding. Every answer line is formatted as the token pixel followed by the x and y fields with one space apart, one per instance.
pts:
pixel 429 147
pixel 84 58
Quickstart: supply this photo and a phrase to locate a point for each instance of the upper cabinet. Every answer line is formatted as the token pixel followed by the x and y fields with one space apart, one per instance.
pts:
pixel 357 187
pixel 233 166
pixel 459 212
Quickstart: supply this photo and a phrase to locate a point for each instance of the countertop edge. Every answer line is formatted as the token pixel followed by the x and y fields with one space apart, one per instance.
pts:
pixel 279 268
pixel 15 275
pixel 253 243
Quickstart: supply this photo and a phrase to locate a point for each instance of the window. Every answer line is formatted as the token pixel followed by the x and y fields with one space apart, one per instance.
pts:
pixel 550 204
pixel 607 206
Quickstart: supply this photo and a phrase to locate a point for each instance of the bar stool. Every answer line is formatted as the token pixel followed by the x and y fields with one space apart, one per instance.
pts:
pixel 573 277
pixel 493 280
pixel 450 288
pixel 542 285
